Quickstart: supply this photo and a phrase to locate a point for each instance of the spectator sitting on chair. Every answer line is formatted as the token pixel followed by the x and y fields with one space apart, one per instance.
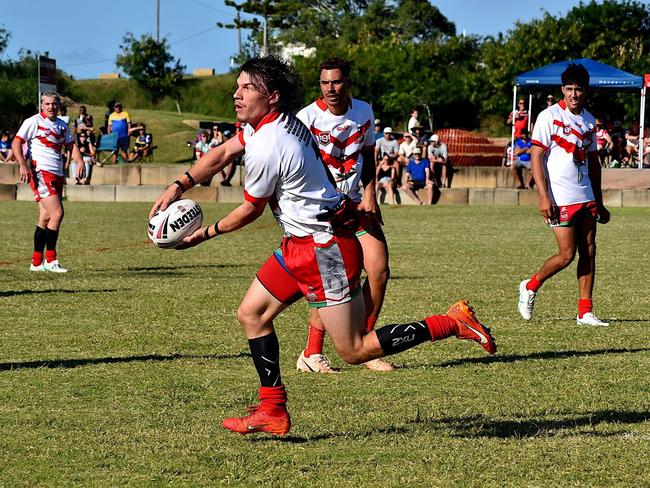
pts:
pixel 385 179
pixel 386 145
pixel 632 142
pixel 439 162
pixel 142 145
pixel 87 150
pixel 418 176
pixel 120 122
pixel 6 153
pixel 521 151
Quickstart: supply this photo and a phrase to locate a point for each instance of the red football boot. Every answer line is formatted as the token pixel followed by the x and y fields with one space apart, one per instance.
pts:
pixel 259 420
pixel 469 328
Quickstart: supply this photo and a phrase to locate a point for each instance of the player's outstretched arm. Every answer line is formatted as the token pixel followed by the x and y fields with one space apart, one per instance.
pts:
pixel 243 215
pixel 209 165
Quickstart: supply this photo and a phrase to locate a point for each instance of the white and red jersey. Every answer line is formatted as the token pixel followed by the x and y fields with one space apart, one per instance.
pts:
pixel 283 166
pixel 567 139
pixel 340 139
pixel 46 139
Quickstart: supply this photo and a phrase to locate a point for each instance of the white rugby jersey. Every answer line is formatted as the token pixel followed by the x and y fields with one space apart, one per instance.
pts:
pixel 46 139
pixel 567 139
pixel 282 163
pixel 340 139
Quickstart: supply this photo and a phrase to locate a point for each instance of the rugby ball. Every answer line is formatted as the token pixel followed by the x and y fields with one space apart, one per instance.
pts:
pixel 168 227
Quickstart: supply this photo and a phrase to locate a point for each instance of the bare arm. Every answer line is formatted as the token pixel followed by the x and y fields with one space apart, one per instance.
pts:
pixel 546 208
pixel 596 185
pixel 243 215
pixel 210 164
pixel 17 148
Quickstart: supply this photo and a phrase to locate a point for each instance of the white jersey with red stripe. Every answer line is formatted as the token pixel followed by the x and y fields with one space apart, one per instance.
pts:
pixel 340 139
pixel 46 139
pixel 283 166
pixel 567 139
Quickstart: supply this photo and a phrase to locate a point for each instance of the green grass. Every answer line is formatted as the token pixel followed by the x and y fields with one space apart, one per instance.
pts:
pixel 120 372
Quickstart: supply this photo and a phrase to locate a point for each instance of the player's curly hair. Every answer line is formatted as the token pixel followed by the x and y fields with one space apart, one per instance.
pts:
pixel 336 63
pixel 575 74
pixel 270 73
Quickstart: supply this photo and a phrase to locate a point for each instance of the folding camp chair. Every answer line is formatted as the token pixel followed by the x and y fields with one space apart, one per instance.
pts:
pixel 106 148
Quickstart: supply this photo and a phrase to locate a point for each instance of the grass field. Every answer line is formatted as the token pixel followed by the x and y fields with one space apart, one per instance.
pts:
pixel 120 372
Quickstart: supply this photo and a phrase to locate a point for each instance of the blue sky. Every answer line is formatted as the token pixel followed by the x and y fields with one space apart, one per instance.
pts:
pixel 84 38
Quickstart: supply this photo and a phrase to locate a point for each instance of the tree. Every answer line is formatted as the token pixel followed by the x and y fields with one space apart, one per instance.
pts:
pixel 150 64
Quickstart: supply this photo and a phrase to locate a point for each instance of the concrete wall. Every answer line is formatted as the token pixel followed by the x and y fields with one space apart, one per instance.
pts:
pixel 471 185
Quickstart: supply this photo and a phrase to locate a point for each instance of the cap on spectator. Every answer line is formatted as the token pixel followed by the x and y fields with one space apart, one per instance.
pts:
pixel 417 150
pixel 388 130
pixel 434 138
pixel 227 133
pixel 550 97
pixel 377 121
pixel 117 104
pixel 408 134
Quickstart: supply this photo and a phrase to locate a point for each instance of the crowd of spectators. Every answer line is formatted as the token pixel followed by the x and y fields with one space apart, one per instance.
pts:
pixel 410 161
pixel 209 139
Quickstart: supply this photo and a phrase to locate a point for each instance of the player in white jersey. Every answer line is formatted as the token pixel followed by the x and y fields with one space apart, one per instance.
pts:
pixel 568 177
pixel 342 128
pixel 47 136
pixel 320 257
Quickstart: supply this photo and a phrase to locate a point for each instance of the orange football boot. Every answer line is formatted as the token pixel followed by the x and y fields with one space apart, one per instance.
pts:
pixel 259 420
pixel 469 328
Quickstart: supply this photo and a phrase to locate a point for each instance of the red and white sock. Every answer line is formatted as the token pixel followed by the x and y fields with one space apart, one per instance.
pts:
pixel 584 306
pixel 315 341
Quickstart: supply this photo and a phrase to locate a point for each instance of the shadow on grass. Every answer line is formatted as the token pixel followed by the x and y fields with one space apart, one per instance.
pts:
pixel 145 269
pixel 513 358
pixel 75 363
pixel 14 293
pixel 477 426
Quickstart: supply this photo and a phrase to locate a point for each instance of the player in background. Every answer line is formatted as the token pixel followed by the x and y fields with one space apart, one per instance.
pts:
pixel 47 137
pixel 321 257
pixel 342 128
pixel 567 174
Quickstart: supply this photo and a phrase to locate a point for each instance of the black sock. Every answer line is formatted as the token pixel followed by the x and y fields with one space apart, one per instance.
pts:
pixel 394 338
pixel 51 237
pixel 266 357
pixel 39 239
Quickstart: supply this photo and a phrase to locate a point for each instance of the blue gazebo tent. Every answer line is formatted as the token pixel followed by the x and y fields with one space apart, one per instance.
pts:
pixel 601 76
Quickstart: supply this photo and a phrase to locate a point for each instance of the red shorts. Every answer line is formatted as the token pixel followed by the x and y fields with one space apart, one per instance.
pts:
pixel 277 280
pixel 568 213
pixel 326 273
pixel 45 184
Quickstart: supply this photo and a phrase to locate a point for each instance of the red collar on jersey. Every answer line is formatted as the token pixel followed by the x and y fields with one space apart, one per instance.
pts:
pixel 562 104
pixel 270 117
pixel 323 106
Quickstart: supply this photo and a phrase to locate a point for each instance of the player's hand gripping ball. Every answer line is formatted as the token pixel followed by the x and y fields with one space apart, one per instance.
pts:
pixel 168 227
